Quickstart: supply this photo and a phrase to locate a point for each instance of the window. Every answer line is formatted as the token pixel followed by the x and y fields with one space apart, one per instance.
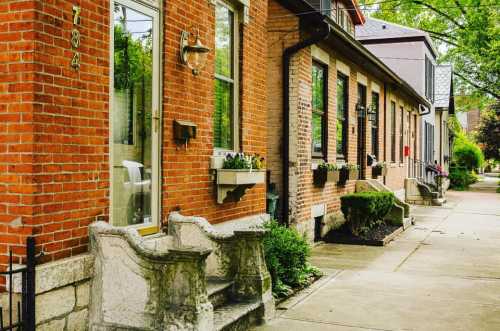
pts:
pixel 429 143
pixel 393 131
pixel 375 108
pixel 401 136
pixel 225 118
pixel 429 79
pixel 342 115
pixel 134 97
pixel 319 109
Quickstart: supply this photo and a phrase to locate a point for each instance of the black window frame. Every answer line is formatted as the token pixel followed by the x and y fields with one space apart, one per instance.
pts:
pixel 324 122
pixel 375 124
pixel 393 132
pixel 345 119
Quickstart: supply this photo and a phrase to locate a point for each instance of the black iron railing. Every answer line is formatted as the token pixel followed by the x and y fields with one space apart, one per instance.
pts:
pixel 25 314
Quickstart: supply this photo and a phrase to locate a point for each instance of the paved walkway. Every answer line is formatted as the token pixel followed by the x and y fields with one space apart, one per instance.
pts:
pixel 441 274
pixel 487 183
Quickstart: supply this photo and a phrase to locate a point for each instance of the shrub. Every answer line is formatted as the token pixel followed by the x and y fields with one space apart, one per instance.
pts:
pixel 461 178
pixel 364 211
pixel 467 154
pixel 286 253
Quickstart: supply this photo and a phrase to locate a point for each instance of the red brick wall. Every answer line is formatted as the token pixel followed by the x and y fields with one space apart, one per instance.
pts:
pixel 188 183
pixel 282 32
pixel 53 151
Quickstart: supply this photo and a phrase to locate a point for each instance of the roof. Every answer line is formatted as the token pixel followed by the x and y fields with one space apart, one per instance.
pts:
pixel 353 49
pixel 444 86
pixel 324 6
pixel 378 31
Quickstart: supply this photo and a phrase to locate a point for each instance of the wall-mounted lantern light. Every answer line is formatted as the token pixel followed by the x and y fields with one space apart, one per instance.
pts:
pixel 360 110
pixel 372 113
pixel 195 55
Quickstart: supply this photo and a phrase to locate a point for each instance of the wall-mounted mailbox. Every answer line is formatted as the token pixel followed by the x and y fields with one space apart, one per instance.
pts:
pixel 184 131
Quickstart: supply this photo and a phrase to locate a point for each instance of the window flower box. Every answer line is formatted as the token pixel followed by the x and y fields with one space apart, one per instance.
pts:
pixel 325 173
pixel 238 173
pixel 348 172
pixel 380 169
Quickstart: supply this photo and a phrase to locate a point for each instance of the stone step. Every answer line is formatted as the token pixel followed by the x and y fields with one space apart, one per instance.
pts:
pixel 237 316
pixel 219 291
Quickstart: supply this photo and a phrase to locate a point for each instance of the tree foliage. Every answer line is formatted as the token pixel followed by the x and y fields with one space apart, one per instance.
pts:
pixel 488 134
pixel 466 32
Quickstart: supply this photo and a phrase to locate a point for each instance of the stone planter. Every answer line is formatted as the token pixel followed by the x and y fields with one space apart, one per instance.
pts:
pixel 232 183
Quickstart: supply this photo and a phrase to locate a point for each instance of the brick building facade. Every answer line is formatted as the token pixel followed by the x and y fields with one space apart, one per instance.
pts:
pixel 340 55
pixel 55 128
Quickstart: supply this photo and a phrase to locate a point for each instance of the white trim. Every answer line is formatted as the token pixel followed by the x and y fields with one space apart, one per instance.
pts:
pixel 362 79
pixel 320 55
pixel 343 68
pixel 144 7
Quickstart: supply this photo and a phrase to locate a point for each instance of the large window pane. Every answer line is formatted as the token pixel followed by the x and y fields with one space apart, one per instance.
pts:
pixel 224 113
pixel 223 41
pixel 131 117
pixel 375 108
pixel 318 109
pixel 223 137
pixel 393 131
pixel 342 97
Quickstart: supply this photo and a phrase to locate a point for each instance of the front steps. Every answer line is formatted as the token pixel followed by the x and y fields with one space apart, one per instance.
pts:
pixel 418 193
pixel 230 315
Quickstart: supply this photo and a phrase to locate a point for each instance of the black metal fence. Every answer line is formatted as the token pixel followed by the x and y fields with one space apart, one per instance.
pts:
pixel 21 312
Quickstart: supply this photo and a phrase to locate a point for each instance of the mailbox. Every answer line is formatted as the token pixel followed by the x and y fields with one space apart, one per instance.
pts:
pixel 184 131
pixel 407 151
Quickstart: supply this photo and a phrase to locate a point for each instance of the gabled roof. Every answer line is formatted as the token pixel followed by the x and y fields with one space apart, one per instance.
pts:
pixel 378 31
pixel 444 87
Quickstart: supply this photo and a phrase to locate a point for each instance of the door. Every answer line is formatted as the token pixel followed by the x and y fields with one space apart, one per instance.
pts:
pixel 361 114
pixel 134 115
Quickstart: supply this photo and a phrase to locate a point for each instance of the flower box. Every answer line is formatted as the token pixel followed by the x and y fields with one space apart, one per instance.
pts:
pixel 322 175
pixel 343 176
pixel 233 183
pixel 353 174
pixel 240 176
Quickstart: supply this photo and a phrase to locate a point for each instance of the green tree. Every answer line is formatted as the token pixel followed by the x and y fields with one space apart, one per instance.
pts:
pixel 467 33
pixel 488 134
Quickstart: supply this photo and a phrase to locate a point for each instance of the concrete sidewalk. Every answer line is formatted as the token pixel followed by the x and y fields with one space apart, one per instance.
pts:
pixel 441 274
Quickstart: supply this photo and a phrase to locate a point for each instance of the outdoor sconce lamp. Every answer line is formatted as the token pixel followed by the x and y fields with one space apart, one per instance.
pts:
pixel 360 110
pixel 194 56
pixel 372 114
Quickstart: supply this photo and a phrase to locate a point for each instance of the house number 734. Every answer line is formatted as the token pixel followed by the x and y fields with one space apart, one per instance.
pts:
pixel 75 38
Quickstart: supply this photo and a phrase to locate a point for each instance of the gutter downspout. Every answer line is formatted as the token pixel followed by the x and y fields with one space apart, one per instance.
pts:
pixel 385 127
pixel 322 34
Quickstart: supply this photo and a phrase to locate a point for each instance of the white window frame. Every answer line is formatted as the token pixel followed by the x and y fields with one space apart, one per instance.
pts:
pixel 235 81
pixel 154 13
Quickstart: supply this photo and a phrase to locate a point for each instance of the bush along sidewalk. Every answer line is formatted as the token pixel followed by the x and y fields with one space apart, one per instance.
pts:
pixel 365 225
pixel 287 253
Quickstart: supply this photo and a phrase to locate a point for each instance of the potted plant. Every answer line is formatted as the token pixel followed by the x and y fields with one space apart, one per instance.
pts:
pixel 325 172
pixel 239 172
pixel 380 169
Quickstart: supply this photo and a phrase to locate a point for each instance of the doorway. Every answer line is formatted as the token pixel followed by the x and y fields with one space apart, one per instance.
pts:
pixel 134 115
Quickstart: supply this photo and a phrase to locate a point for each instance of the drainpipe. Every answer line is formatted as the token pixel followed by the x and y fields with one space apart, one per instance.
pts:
pixel 319 35
pixel 385 128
